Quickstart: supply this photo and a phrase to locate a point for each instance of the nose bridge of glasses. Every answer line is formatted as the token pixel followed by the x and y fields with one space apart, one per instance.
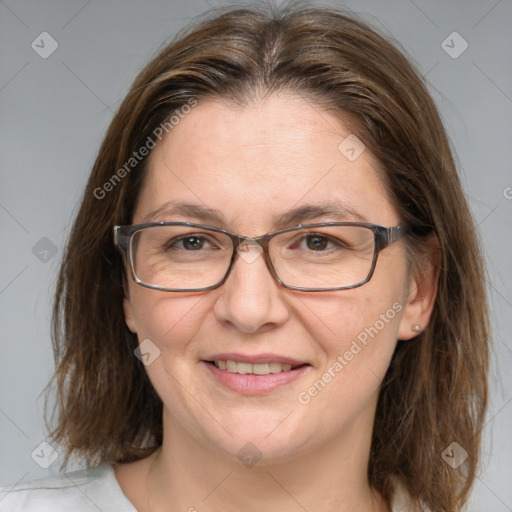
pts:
pixel 238 240
pixel 250 248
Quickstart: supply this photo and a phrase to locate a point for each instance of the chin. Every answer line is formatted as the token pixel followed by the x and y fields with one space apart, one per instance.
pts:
pixel 263 441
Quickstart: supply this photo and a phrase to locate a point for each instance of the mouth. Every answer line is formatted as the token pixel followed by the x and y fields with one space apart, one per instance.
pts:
pixel 259 377
pixel 244 368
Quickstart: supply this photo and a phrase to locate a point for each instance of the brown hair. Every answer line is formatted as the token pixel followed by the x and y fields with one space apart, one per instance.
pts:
pixel 435 390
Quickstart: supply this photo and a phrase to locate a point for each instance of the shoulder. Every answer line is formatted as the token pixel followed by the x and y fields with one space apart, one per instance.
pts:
pixel 80 491
pixel 402 501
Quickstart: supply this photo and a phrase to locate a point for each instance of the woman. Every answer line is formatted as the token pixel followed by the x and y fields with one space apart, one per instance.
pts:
pixel 272 296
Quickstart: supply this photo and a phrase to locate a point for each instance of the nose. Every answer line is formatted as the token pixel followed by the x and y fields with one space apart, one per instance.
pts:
pixel 251 299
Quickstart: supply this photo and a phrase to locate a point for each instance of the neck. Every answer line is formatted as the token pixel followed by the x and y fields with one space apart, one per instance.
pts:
pixel 186 474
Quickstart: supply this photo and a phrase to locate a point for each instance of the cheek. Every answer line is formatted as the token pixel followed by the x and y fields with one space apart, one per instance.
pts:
pixel 337 321
pixel 357 346
pixel 171 322
pixel 168 320
pixel 357 332
pixel 370 344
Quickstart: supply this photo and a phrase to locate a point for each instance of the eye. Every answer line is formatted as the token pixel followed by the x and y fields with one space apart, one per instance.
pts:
pixel 317 242
pixel 189 243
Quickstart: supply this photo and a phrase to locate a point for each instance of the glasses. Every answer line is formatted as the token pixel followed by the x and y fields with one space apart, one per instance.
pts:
pixel 187 257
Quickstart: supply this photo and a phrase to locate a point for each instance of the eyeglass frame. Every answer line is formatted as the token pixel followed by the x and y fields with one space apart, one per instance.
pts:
pixel 383 236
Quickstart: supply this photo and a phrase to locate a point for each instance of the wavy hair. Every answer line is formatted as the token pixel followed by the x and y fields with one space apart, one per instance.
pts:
pixel 435 390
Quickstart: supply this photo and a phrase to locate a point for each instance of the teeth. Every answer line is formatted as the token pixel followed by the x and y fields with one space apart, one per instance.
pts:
pixel 261 368
pixel 232 366
pixel 275 367
pixel 244 368
pixel 256 369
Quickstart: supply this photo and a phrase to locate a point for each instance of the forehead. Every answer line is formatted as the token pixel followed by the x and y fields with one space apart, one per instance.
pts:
pixel 255 162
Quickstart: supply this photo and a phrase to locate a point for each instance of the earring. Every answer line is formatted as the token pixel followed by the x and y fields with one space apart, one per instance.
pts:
pixel 416 328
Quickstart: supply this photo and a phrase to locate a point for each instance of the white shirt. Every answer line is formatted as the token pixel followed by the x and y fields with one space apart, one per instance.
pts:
pixel 88 490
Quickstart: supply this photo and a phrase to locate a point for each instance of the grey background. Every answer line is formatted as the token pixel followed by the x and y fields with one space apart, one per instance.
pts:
pixel 54 113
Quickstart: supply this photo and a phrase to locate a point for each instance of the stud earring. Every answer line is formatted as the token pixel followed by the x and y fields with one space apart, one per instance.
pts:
pixel 416 328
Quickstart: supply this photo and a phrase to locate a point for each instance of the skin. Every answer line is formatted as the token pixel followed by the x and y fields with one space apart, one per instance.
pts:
pixel 253 164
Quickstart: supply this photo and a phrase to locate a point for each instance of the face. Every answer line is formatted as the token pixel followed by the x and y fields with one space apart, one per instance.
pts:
pixel 252 166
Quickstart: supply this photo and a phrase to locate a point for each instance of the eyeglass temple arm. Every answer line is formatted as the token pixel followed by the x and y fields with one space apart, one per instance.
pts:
pixel 396 233
pixel 120 238
pixel 387 236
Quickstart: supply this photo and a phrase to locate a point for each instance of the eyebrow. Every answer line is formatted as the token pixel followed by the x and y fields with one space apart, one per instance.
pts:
pixel 337 211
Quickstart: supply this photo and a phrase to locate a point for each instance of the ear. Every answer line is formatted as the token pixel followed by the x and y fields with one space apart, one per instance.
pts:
pixel 129 317
pixel 128 314
pixel 422 291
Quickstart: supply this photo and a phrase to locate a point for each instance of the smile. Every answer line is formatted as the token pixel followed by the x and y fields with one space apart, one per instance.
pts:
pixel 253 369
pixel 254 378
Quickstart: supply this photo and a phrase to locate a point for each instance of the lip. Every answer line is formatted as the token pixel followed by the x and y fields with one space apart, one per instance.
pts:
pixel 255 359
pixel 255 384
